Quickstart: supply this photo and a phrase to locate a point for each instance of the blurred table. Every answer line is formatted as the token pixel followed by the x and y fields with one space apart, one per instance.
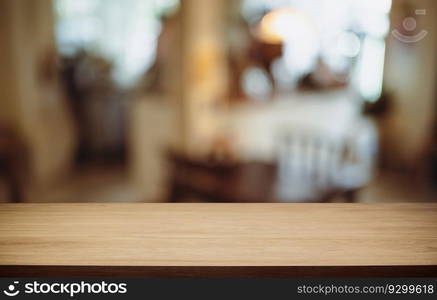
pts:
pixel 218 240
pixel 254 128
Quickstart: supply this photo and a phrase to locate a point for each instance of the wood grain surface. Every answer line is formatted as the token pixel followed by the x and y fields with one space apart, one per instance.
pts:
pixel 218 235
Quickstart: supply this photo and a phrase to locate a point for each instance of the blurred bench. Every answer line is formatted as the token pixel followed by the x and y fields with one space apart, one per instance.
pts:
pixel 194 180
pixel 197 180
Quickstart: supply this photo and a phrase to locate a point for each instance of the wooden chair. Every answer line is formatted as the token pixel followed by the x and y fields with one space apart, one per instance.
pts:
pixel 12 164
pixel 309 165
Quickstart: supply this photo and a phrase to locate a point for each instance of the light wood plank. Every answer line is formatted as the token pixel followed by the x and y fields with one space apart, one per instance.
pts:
pixel 218 234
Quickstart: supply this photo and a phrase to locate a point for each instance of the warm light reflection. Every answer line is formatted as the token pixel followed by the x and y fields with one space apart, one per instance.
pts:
pixel 278 25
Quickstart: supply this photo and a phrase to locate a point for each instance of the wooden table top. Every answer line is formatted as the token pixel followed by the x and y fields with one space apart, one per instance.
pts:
pixel 218 234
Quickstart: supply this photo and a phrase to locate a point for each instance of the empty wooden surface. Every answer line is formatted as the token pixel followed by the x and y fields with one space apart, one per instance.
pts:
pixel 218 234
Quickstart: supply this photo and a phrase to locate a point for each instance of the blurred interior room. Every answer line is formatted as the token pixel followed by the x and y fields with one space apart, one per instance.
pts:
pixel 218 101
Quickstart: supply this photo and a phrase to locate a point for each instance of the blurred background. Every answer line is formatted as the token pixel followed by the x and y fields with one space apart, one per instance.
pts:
pixel 224 101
